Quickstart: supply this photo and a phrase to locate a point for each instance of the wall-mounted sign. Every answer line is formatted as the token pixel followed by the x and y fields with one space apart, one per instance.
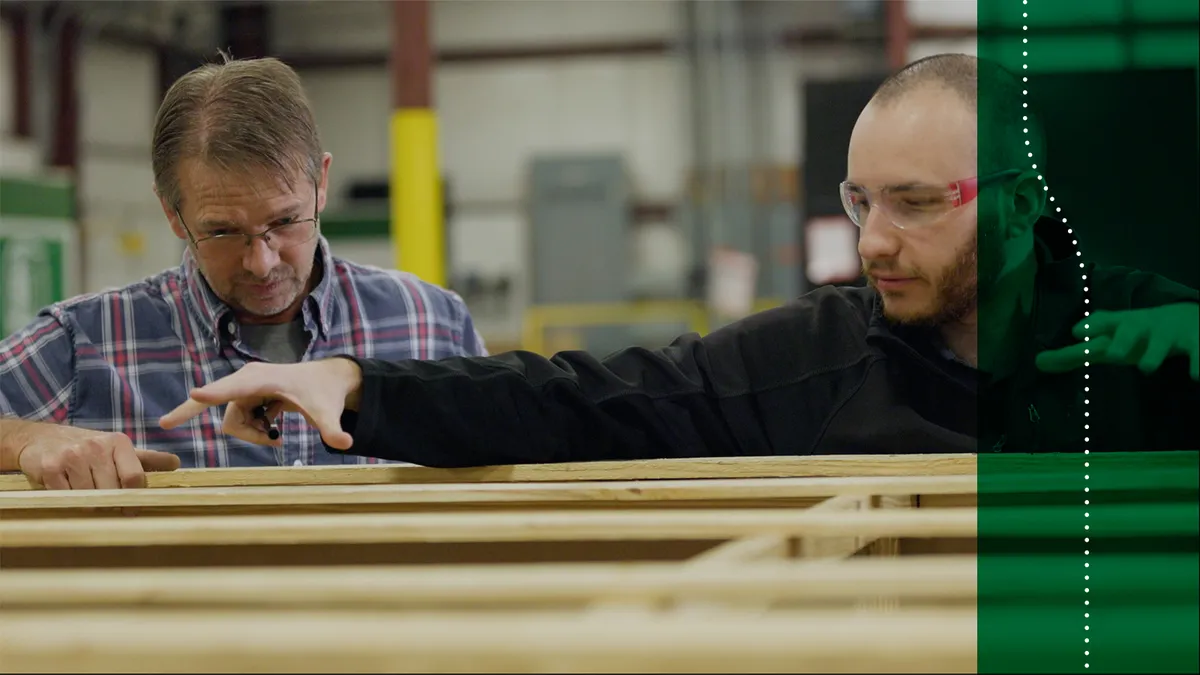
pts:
pixel 831 245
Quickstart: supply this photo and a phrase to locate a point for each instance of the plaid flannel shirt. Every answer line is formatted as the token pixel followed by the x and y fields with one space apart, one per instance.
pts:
pixel 120 359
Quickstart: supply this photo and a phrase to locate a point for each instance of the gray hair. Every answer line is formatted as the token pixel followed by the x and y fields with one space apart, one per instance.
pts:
pixel 236 115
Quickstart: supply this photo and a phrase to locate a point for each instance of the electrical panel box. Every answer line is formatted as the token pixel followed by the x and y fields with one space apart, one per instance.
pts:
pixel 579 210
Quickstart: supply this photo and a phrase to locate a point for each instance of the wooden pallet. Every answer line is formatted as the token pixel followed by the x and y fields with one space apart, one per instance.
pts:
pixel 833 564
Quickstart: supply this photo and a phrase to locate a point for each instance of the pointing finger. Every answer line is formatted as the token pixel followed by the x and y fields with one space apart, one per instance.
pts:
pixel 1070 358
pixel 1098 323
pixel 1061 360
pixel 182 413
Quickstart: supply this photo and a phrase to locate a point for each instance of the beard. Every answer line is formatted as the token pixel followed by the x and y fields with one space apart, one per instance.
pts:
pixel 956 291
pixel 269 307
pixel 242 298
pixel 238 295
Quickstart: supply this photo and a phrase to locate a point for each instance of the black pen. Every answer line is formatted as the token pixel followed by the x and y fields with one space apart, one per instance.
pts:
pixel 261 413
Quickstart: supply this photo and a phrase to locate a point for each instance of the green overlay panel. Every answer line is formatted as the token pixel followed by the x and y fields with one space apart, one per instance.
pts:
pixel 1106 587
pixel 1088 543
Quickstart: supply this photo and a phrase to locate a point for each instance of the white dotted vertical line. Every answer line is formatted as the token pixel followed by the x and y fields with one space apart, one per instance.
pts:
pixel 1086 364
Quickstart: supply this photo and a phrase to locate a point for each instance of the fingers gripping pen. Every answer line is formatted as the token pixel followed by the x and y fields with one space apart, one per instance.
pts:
pixel 260 413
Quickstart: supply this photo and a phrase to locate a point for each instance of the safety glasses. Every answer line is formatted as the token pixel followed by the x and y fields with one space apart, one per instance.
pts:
pixel 912 206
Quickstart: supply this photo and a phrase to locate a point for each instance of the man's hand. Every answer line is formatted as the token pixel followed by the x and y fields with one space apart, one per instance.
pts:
pixel 319 390
pixel 1141 337
pixel 57 457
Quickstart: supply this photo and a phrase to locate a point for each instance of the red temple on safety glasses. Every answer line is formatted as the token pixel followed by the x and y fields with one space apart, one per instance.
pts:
pixel 963 191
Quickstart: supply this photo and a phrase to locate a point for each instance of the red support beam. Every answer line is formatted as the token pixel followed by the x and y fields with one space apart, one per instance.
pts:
pixel 65 146
pixel 411 55
pixel 899 33
pixel 64 141
pixel 22 76
pixel 244 29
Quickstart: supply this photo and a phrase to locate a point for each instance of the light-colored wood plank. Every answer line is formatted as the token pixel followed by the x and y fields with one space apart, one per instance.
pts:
pixel 887 547
pixel 733 552
pixel 736 554
pixel 405 507
pixel 746 549
pixel 928 578
pixel 287 498
pixel 656 469
pixel 933 579
pixel 483 527
pixel 774 546
pixel 840 546
pixel 941 641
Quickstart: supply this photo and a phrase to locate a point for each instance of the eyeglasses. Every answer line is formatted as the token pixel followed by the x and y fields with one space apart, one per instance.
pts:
pixel 913 206
pixel 278 237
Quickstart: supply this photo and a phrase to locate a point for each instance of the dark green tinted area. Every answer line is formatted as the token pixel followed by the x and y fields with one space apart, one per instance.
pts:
pixel 1089 563
pixel 1119 596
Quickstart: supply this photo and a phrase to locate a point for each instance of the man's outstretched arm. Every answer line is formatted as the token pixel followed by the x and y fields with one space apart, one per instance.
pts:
pixel 520 408
pixel 697 397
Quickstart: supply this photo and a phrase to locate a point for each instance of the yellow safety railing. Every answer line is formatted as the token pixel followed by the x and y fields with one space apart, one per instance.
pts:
pixel 541 318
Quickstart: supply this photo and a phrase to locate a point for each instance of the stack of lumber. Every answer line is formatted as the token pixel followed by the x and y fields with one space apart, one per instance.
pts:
pixel 829 564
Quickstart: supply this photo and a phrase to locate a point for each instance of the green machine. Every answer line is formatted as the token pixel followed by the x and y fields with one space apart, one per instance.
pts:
pixel 37 242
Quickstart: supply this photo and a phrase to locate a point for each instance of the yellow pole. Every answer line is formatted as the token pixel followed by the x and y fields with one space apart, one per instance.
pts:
pixel 416 188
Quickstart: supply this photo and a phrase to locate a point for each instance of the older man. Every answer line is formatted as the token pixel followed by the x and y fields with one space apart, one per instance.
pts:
pixel 242 178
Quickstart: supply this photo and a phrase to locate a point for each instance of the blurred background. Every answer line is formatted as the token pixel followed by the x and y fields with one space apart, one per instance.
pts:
pixel 612 171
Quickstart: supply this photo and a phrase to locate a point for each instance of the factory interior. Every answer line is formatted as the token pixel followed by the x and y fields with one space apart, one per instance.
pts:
pixel 597 175
pixel 611 173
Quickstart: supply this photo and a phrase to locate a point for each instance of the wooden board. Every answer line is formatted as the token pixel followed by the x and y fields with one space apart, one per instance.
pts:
pixel 373 641
pixel 929 578
pixel 626 494
pixel 656 469
pixel 488 527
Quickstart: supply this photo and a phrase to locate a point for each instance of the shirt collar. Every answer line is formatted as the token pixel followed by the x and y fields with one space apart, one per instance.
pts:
pixel 215 316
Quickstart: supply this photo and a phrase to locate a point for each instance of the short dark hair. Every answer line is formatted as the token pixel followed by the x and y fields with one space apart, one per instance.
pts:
pixel 232 115
pixel 1006 119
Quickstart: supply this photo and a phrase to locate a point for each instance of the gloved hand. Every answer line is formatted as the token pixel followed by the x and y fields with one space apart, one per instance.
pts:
pixel 1141 337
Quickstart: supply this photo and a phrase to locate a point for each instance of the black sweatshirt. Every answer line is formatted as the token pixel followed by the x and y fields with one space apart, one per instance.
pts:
pixel 824 374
